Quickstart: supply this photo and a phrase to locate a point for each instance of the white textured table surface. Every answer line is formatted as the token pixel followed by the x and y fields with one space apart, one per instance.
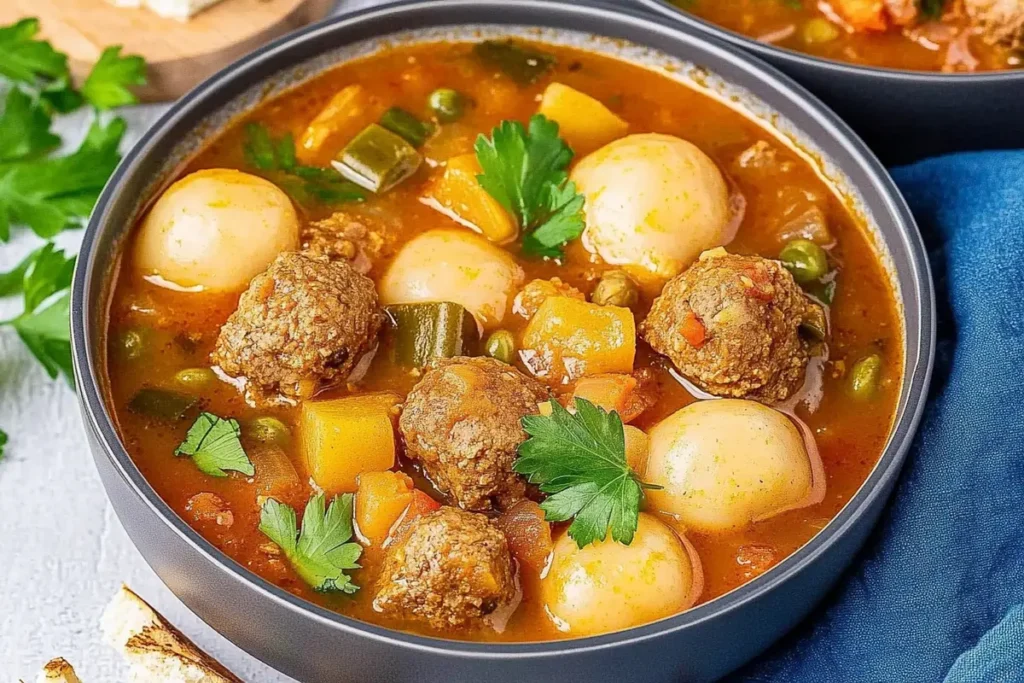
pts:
pixel 62 551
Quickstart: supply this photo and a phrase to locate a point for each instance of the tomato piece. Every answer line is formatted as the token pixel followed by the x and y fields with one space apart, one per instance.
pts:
pixel 528 534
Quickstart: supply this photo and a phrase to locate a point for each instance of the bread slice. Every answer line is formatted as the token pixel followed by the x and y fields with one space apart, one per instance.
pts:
pixel 156 651
pixel 182 10
pixel 58 671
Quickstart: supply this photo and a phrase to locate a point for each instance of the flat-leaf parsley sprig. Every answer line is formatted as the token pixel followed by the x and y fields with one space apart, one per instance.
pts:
pixel 322 552
pixel 525 170
pixel 580 460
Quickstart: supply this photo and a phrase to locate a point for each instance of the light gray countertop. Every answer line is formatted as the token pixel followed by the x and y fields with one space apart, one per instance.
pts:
pixel 63 553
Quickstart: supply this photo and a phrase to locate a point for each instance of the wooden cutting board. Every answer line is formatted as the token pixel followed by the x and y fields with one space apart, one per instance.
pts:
pixel 180 54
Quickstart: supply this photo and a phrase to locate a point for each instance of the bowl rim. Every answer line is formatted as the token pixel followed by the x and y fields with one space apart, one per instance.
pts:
pixel 796 59
pixel 93 268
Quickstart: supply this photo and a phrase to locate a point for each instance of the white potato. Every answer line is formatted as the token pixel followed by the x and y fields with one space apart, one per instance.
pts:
pixel 608 586
pixel 726 463
pixel 653 202
pixel 457 266
pixel 215 229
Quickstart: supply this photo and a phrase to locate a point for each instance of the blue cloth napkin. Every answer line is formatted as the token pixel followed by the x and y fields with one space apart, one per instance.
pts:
pixel 938 593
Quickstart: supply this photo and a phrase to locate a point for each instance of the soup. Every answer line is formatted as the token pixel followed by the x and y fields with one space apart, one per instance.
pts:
pixel 921 35
pixel 502 342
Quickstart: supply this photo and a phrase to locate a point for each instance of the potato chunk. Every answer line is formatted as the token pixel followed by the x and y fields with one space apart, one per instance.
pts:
pixel 460 196
pixel 726 463
pixel 568 338
pixel 345 437
pixel 215 230
pixel 653 203
pixel 584 122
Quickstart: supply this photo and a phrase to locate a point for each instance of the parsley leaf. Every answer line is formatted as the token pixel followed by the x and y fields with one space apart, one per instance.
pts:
pixel 106 86
pixel 525 171
pixel 932 9
pixel 321 553
pixel 45 331
pixel 24 129
pixel 47 334
pixel 581 461
pixel 305 184
pixel 214 446
pixel 3 442
pixel 26 59
pixel 50 194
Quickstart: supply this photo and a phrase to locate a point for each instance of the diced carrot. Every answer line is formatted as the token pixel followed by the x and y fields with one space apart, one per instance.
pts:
pixel 693 330
pixel 382 497
pixel 528 534
pixel 459 195
pixel 421 504
pixel 609 391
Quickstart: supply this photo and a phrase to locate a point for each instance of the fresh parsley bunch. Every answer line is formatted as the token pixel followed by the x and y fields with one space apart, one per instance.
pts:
pixel 48 193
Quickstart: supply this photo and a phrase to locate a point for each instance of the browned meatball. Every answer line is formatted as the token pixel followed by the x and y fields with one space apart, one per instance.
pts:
pixel 302 324
pixel 462 421
pixel 344 236
pixel 731 325
pixel 1001 21
pixel 450 569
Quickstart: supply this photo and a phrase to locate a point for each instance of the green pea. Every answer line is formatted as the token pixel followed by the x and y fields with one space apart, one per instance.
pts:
pixel 819 30
pixel 195 379
pixel 805 260
pixel 615 288
pixel 269 429
pixel 132 344
pixel 501 345
pixel 447 104
pixel 864 377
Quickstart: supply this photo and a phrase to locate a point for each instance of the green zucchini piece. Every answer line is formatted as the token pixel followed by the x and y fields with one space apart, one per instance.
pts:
pixel 423 332
pixel 521 63
pixel 162 404
pixel 377 159
pixel 401 122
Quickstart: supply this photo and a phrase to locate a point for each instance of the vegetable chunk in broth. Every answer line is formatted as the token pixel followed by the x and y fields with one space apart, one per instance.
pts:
pixel 520 342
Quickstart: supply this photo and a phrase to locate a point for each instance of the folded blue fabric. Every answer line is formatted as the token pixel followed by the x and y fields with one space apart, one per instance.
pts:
pixel 938 593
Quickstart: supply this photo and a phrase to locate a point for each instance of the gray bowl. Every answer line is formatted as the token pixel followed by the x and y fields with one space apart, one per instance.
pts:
pixel 903 115
pixel 316 645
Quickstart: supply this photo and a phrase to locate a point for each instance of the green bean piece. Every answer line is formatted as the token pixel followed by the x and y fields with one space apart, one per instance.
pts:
pixel 615 288
pixel 194 379
pixel 162 404
pixel 377 159
pixel 805 260
pixel 269 430
pixel 864 377
pixel 132 344
pixel 400 122
pixel 501 345
pixel 521 63
pixel 446 104
pixel 422 332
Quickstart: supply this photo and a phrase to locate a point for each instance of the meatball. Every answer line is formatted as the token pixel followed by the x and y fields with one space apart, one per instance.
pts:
pixel 731 324
pixel 450 568
pixel 342 236
pixel 302 324
pixel 462 421
pixel 1000 21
